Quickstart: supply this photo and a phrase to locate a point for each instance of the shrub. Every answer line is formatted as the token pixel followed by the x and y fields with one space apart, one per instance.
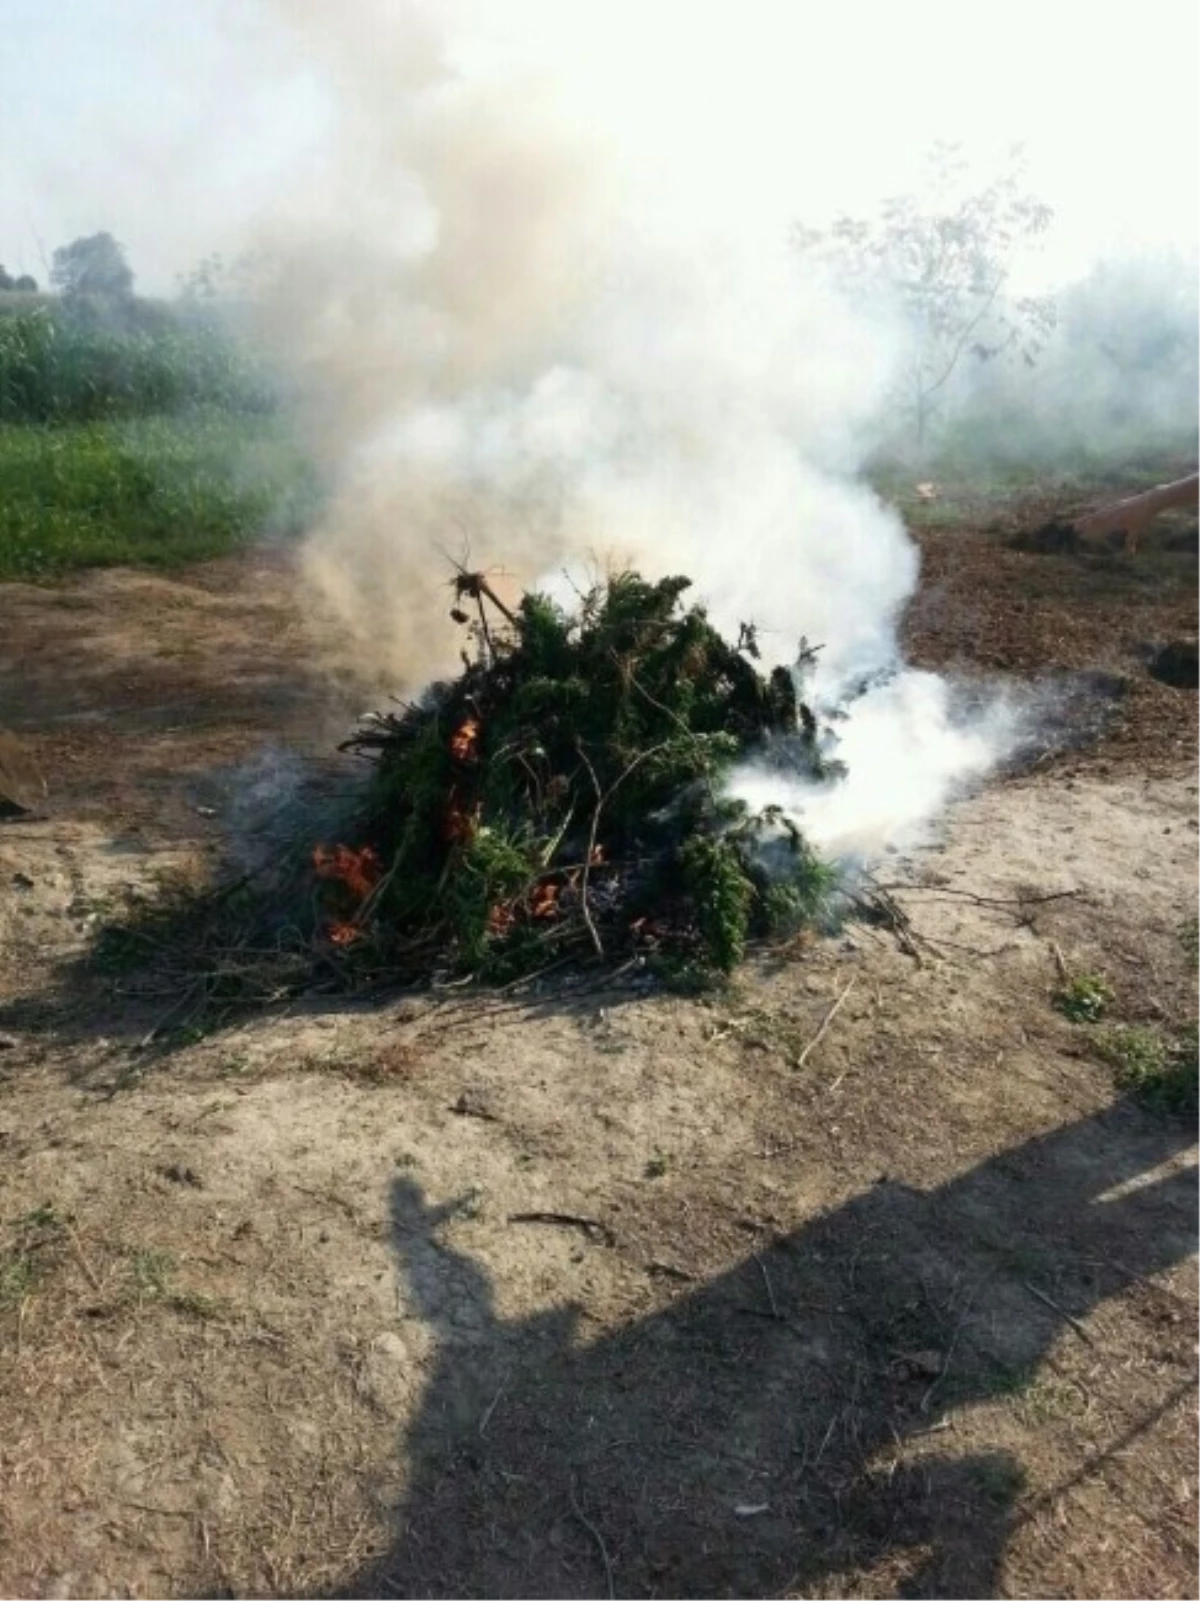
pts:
pixel 1085 999
pixel 1159 1069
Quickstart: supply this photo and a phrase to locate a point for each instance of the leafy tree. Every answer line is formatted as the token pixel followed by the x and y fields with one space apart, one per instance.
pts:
pixel 6 282
pixel 206 280
pixel 214 278
pixel 26 284
pixel 94 265
pixel 944 257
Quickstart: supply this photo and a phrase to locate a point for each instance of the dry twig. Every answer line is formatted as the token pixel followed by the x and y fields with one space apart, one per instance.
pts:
pixel 77 1247
pixel 591 848
pixel 602 801
pixel 599 1539
pixel 664 1270
pixel 979 900
pixel 487 1416
pixel 1061 1311
pixel 762 1268
pixel 591 1226
pixel 878 903
pixel 825 1022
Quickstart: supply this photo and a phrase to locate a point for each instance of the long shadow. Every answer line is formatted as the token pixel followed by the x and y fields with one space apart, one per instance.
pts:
pixel 781 1428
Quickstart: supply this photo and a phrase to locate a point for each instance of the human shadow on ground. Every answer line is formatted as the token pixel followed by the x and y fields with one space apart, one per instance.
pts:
pixel 782 1427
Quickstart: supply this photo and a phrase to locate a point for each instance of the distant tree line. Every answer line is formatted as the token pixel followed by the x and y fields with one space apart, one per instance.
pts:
pixel 92 351
pixel 22 284
pixel 92 266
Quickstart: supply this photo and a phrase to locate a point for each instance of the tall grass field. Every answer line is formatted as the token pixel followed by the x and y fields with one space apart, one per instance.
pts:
pixel 136 435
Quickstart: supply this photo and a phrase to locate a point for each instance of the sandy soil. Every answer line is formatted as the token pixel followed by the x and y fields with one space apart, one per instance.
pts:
pixel 601 1291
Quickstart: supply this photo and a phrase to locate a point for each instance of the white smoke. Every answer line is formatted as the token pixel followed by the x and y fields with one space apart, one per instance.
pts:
pixel 524 350
pixel 1119 378
pixel 909 750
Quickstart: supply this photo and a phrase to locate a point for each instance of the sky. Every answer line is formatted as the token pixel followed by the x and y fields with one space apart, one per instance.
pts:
pixel 179 126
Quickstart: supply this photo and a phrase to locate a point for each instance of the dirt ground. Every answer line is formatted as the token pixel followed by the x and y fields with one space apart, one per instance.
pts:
pixel 601 1291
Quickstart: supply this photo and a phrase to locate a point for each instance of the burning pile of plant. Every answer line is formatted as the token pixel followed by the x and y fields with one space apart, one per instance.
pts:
pixel 563 796
pixel 563 799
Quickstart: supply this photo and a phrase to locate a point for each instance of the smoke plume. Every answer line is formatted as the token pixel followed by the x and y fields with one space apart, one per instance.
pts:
pixel 1118 379
pixel 520 348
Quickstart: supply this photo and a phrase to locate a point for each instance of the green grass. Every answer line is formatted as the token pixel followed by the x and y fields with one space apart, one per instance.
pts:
pixel 18 1277
pixel 151 1279
pixel 27 1257
pixel 136 433
pixel 153 491
pixel 151 1273
pixel 1158 1068
pixel 1085 999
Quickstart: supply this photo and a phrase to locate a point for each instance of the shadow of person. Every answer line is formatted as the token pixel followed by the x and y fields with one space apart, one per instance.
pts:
pixel 478 1352
pixel 776 1429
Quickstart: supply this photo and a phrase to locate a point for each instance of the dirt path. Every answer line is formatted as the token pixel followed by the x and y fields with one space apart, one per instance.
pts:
pixel 300 1307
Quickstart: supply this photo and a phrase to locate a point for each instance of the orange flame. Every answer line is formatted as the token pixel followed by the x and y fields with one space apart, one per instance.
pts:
pixel 359 871
pixel 464 742
pixel 543 903
pixel 500 919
